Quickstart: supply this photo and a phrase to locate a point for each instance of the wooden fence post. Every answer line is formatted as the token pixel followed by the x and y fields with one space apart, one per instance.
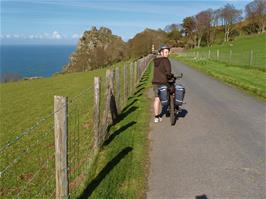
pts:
pixel 60 130
pixel 106 114
pixel 113 107
pixel 135 75
pixel 96 115
pixel 131 79
pixel 139 70
pixel 125 85
pixel 117 96
pixel 251 58
pixel 209 54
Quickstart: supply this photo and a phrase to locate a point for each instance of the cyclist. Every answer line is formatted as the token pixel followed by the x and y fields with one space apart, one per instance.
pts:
pixel 162 71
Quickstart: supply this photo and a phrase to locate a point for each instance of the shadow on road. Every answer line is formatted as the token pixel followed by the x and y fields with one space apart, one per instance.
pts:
pixel 201 197
pixel 182 114
pixel 104 172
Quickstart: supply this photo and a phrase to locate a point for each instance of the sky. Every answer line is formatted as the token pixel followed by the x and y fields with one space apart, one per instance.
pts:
pixel 64 21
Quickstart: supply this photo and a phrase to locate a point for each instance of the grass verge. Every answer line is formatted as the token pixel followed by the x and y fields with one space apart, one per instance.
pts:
pixel 251 81
pixel 121 168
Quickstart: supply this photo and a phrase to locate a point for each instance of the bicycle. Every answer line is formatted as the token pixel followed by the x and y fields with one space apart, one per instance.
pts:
pixel 176 93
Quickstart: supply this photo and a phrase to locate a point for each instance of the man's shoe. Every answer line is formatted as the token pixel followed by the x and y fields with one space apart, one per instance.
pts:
pixel 156 120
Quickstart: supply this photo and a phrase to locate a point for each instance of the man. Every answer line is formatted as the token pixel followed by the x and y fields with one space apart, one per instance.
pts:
pixel 162 70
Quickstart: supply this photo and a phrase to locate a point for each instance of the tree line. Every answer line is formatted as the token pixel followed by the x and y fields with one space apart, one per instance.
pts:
pixel 217 26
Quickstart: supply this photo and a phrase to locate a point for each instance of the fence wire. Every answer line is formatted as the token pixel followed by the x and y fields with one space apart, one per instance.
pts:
pixel 27 167
pixel 27 162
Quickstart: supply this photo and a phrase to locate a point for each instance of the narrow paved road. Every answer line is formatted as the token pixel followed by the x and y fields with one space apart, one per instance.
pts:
pixel 217 149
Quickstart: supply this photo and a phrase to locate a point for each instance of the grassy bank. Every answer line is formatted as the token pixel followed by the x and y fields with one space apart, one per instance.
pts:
pixel 245 51
pixel 120 170
pixel 27 137
pixel 249 80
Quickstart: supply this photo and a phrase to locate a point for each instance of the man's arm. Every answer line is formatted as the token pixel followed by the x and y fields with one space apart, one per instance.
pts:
pixel 167 67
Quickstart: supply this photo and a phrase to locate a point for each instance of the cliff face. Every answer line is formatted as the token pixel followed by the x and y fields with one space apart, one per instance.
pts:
pixel 96 49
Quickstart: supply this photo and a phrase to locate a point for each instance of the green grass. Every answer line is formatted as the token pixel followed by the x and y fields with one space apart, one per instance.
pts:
pixel 121 168
pixel 241 52
pixel 27 104
pixel 252 81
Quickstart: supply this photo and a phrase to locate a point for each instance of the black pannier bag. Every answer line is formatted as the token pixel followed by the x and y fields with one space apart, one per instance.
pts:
pixel 179 94
pixel 163 95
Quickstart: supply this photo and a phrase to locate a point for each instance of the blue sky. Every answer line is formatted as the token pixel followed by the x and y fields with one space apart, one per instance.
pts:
pixel 64 21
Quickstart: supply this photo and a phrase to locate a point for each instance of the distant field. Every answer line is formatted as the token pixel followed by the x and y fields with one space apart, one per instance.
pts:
pixel 246 51
pixel 235 71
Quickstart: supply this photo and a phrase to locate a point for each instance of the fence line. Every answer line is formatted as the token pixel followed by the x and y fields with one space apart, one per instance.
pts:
pixel 245 58
pixel 85 134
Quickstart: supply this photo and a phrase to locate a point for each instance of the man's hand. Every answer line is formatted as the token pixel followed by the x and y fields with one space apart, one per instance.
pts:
pixel 170 76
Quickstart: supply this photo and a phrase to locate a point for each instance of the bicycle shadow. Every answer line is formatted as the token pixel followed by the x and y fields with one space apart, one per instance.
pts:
pixel 182 113
pixel 201 197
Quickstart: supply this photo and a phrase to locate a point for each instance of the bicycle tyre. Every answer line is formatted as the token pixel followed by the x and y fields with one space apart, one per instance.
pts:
pixel 172 110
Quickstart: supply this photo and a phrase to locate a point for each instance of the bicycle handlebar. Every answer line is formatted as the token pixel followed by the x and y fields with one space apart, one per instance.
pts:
pixel 174 77
pixel 179 76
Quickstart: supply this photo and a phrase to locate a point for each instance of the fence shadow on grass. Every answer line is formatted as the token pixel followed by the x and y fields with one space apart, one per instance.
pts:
pixel 117 132
pixel 123 115
pixel 130 104
pixel 105 171
pixel 139 91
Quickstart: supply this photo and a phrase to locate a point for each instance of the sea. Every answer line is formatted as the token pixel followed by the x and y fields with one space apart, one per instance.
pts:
pixel 34 60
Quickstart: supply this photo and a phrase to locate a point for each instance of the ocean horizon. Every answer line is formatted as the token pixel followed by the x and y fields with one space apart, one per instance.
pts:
pixel 34 60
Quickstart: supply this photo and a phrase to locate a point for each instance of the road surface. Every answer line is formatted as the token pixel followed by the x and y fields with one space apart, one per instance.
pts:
pixel 216 149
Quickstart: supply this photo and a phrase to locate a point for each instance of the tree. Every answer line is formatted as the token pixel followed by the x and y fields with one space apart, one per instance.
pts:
pixel 172 27
pixel 215 16
pixel 229 16
pixel 203 25
pixel 256 14
pixel 174 34
pixel 189 28
pixel 174 38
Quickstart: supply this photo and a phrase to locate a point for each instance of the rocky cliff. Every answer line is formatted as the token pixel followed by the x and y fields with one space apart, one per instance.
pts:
pixel 96 49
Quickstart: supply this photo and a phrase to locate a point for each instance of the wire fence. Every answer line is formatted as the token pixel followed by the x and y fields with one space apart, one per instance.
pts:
pixel 28 164
pixel 251 58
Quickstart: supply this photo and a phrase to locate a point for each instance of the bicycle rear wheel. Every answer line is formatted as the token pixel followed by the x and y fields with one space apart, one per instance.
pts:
pixel 172 110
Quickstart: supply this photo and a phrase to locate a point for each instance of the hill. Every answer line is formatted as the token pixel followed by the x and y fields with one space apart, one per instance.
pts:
pixel 96 49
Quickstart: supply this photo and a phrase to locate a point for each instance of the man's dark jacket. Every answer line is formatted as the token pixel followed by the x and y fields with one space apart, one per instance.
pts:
pixel 162 69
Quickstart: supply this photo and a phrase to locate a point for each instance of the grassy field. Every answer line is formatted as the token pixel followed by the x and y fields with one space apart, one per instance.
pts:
pixel 27 123
pixel 251 79
pixel 241 54
pixel 27 161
